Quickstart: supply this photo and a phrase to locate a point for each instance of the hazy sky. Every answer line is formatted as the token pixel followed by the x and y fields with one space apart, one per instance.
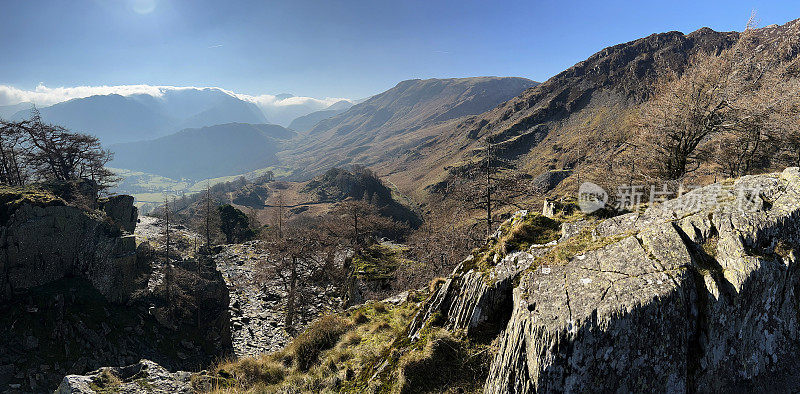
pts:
pixel 330 48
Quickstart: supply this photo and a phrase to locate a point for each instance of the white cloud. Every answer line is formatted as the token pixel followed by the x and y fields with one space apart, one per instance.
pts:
pixel 279 110
pixel 44 96
pixel 269 101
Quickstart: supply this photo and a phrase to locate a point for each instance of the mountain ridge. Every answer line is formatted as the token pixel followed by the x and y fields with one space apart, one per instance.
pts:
pixel 407 106
pixel 575 117
pixel 191 153
pixel 307 122
pixel 115 118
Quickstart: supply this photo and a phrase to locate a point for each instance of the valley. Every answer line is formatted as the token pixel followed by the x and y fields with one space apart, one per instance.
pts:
pixel 631 223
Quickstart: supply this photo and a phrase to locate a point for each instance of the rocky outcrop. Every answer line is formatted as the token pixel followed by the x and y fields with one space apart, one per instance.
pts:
pixel 474 300
pixel 697 294
pixel 39 245
pixel 145 376
pixel 77 296
pixel 120 210
pixel 549 180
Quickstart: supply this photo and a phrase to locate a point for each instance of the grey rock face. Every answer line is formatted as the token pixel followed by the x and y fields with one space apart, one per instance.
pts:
pixel 696 294
pixel 145 376
pixel 40 245
pixel 477 301
pixel 121 211
pixel 550 179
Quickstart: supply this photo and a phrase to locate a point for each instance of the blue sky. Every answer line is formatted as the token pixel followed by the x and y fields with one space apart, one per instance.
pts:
pixel 330 48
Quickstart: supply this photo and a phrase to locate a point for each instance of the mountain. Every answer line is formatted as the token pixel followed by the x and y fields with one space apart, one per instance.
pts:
pixel 207 152
pixel 410 105
pixel 307 122
pixel 288 107
pixel 229 110
pixel 342 105
pixel 115 118
pixel 112 117
pixel 575 120
pixel 8 111
pixel 337 185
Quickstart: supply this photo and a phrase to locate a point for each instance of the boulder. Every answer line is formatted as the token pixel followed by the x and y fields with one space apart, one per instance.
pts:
pixel 145 376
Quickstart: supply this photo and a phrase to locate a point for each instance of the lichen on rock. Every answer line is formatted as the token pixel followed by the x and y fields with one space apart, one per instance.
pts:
pixel 656 310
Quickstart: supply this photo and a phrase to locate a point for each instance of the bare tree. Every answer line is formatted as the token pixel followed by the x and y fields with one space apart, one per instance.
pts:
pixel 724 110
pixel 12 153
pixel 62 155
pixel 207 221
pixel 34 150
pixel 684 112
pixel 278 213
pixel 357 222
pixel 293 254
pixel 168 274
pixel 439 244
pixel 488 184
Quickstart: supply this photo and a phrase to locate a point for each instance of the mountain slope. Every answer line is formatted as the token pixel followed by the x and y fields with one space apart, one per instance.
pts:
pixel 307 122
pixel 207 152
pixel 576 119
pixel 228 110
pixel 7 111
pixel 112 117
pixel 408 106
pixel 287 107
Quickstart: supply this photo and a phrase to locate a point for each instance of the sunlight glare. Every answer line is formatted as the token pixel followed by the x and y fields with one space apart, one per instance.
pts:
pixel 143 7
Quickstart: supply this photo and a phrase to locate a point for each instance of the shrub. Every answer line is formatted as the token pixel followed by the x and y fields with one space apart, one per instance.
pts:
pixel 533 229
pixel 234 224
pixel 434 367
pixel 11 198
pixel 518 235
pixel 379 307
pixel 710 246
pixel 323 334
pixel 360 318
pixel 249 371
pixel 436 283
pixel 105 382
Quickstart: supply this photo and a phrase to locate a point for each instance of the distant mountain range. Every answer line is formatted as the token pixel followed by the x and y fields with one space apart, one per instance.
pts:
pixel 307 122
pixel 207 152
pixel 577 119
pixel 118 118
pixel 115 118
pixel 236 148
pixel 419 133
pixel 289 108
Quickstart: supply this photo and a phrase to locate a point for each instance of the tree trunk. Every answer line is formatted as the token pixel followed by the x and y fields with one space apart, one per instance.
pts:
pixel 292 290
pixel 208 218
pixel 488 188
